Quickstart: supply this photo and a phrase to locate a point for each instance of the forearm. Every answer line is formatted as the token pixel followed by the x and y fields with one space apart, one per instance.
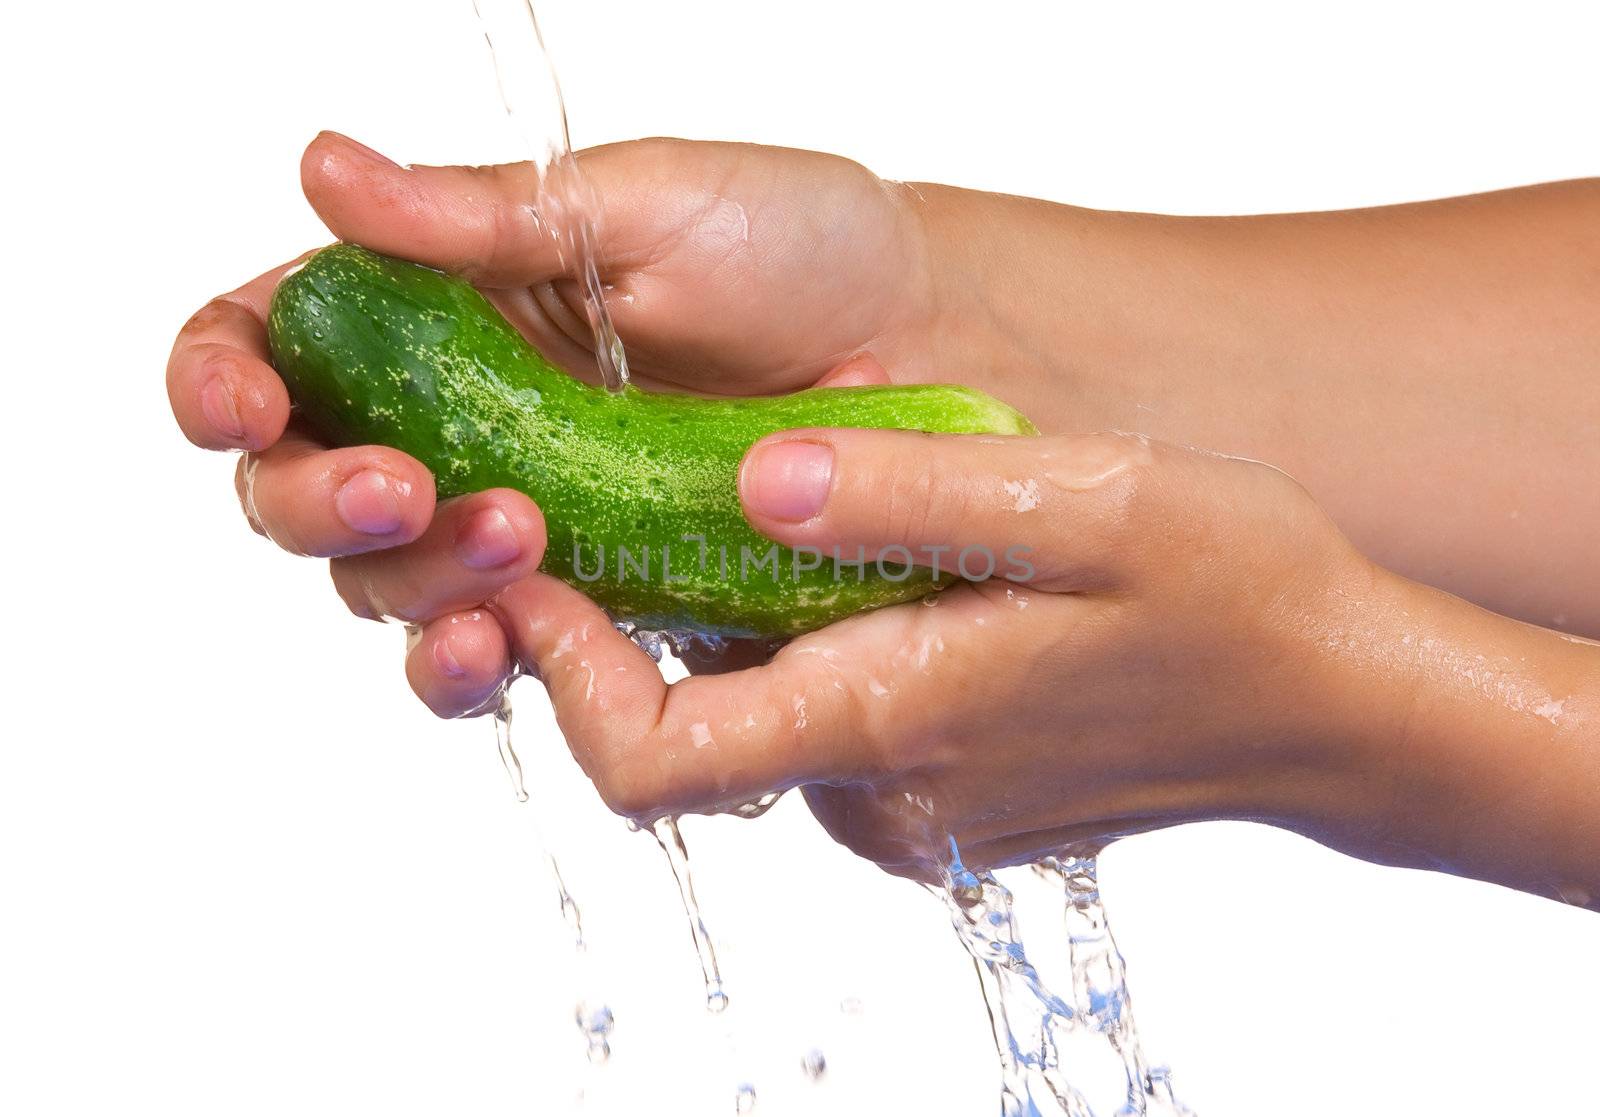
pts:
pixel 1431 372
pixel 1472 743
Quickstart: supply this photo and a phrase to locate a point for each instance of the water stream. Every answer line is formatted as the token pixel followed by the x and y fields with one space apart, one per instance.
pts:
pixel 1058 1054
pixel 670 839
pixel 592 1015
pixel 565 204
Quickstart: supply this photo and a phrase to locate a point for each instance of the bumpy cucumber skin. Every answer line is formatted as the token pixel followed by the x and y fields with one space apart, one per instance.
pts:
pixel 379 350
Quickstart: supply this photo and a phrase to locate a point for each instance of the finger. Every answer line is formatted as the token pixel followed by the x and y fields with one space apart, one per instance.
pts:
pixel 854 372
pixel 479 222
pixel 707 742
pixel 606 692
pixel 314 501
pixel 473 548
pixel 457 663
pixel 220 382
pixel 1027 509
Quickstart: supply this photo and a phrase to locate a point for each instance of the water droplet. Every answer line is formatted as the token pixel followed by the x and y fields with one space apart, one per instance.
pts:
pixel 759 807
pixel 596 1023
pixel 814 1064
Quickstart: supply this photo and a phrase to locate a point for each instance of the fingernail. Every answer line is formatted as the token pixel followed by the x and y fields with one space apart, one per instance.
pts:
pixel 788 481
pixel 369 503
pixel 221 409
pixel 363 152
pixel 445 659
pixel 486 539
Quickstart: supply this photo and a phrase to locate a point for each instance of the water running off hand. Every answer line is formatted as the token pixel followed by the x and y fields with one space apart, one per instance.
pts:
pixel 1048 1046
pixel 592 1016
pixel 665 829
pixel 667 836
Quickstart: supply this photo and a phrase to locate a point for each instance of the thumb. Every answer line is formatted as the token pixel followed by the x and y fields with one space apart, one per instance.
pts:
pixel 1025 508
pixel 480 222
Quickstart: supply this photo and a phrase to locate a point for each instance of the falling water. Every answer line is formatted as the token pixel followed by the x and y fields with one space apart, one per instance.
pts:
pixel 594 1018
pixel 565 204
pixel 1049 1047
pixel 668 837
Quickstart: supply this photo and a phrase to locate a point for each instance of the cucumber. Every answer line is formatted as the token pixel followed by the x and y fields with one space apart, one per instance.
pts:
pixel 638 489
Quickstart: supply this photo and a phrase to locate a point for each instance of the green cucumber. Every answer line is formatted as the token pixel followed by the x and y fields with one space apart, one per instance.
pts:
pixel 379 350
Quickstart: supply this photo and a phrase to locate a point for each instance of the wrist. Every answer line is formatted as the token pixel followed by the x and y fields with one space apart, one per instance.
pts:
pixel 1463 742
pixel 1353 782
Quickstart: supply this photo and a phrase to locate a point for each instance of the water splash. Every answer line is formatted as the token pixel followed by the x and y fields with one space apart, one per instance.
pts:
pixel 1035 1029
pixel 684 643
pixel 1099 981
pixel 595 1022
pixel 1025 1017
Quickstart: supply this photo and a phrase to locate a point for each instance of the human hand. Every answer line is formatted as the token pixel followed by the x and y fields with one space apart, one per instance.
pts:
pixel 733 269
pixel 1160 656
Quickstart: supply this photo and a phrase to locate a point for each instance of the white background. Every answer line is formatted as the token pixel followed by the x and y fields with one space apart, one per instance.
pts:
pixel 243 872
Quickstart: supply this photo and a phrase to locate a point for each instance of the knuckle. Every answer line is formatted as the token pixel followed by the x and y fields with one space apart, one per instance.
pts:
pixel 626 790
pixel 497 221
pixel 203 319
pixel 217 312
pixel 911 494
pixel 1123 483
pixel 889 739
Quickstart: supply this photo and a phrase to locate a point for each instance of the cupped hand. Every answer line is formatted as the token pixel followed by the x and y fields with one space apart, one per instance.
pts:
pixel 732 269
pixel 1144 641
